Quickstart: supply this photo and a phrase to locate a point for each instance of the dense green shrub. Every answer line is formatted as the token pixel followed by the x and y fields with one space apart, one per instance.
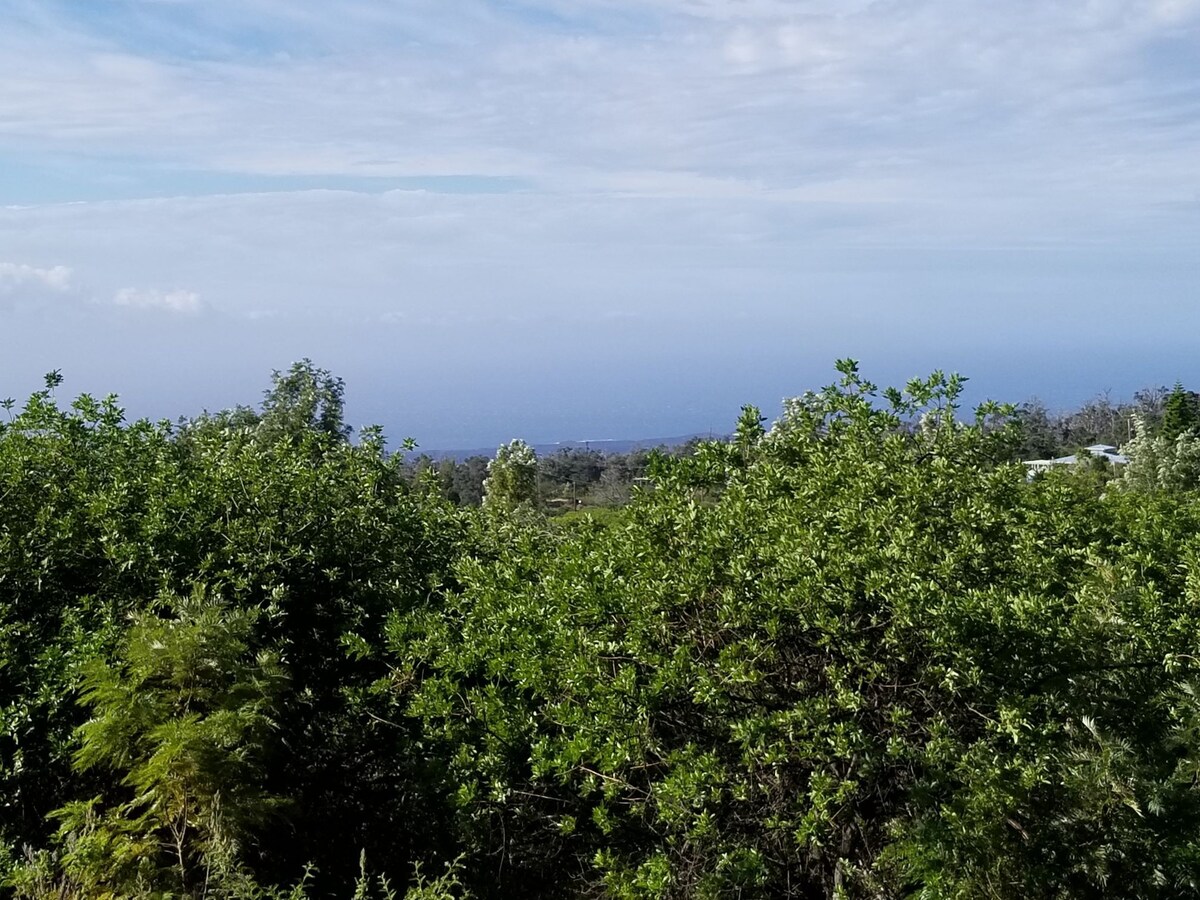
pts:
pixel 278 516
pixel 858 654
pixel 841 657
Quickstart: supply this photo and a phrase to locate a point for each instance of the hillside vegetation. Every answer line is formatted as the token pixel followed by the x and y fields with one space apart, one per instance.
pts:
pixel 859 654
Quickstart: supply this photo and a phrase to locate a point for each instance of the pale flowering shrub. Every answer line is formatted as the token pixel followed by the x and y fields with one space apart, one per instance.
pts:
pixel 1160 463
pixel 512 476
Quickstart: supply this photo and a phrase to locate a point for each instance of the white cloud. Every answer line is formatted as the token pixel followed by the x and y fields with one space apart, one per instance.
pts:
pixel 665 149
pixel 176 301
pixel 16 276
pixel 1015 99
pixel 628 122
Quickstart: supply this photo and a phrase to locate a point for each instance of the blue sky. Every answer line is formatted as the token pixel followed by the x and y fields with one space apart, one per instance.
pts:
pixel 596 218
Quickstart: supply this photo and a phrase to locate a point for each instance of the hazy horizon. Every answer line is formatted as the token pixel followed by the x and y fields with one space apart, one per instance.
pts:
pixel 701 404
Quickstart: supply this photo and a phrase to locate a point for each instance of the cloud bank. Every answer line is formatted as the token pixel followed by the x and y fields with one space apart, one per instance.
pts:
pixel 486 186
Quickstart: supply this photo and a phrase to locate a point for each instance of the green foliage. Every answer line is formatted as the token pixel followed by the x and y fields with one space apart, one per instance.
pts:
pixel 844 657
pixel 321 540
pixel 1168 461
pixel 854 654
pixel 185 720
pixel 1045 435
pixel 302 401
pixel 512 477
pixel 80 539
pixel 593 514
pixel 1181 413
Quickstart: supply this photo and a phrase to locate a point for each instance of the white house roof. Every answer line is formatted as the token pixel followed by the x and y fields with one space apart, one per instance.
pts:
pixel 1105 451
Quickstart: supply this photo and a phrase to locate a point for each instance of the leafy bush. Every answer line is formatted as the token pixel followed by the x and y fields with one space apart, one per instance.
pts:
pixel 843 657
pixel 855 655
pixel 309 541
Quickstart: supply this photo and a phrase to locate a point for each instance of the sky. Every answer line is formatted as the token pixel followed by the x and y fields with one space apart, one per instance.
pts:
pixel 586 219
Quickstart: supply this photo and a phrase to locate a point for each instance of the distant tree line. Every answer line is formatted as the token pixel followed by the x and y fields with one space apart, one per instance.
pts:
pixel 582 478
pixel 1102 420
pixel 570 478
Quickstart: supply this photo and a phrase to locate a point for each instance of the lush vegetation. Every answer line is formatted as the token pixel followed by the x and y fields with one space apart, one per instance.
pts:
pixel 571 479
pixel 860 653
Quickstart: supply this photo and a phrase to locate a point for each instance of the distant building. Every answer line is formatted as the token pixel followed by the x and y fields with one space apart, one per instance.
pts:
pixel 1095 451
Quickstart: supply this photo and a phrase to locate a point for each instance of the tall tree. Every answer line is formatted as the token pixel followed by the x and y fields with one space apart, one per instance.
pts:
pixel 302 400
pixel 1181 412
pixel 512 476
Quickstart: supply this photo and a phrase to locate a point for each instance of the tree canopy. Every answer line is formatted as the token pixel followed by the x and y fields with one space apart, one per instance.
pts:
pixel 857 653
